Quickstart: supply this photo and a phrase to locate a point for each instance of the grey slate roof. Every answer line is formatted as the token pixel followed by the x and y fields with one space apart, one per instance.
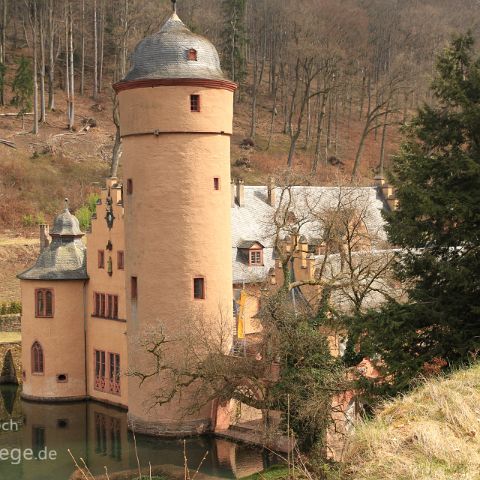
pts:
pixel 66 256
pixel 253 221
pixel 163 55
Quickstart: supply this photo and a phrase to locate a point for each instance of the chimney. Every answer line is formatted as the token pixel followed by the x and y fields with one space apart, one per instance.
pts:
pixel 379 181
pixel 44 237
pixel 240 193
pixel 271 192
pixel 233 194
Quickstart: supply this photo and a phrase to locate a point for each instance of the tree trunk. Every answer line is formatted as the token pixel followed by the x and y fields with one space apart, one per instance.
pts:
pixel 274 113
pixel 43 116
pixel 384 138
pixel 35 71
pixel 82 69
pixel 51 56
pixel 3 45
pixel 67 65
pixel 102 48
pixel 95 51
pixel 117 147
pixel 71 124
pixel 321 116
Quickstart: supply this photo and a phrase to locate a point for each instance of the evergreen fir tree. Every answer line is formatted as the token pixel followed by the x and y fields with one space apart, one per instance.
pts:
pixel 437 224
pixel 22 87
pixel 235 39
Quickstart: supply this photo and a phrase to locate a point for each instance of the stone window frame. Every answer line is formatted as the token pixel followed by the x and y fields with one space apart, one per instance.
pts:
pixel 101 259
pixel 120 260
pixel 44 313
pixel 105 305
pixel 36 349
pixel 195 104
pixel 252 253
pixel 114 386
pixel 204 287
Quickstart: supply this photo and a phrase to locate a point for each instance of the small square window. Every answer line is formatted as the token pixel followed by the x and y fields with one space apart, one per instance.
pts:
pixel 192 55
pixel 216 183
pixel 195 103
pixel 129 186
pixel 101 259
pixel 120 260
pixel 199 288
pixel 256 257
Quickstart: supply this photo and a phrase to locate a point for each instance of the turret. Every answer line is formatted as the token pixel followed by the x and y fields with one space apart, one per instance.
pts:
pixel 53 322
pixel 176 110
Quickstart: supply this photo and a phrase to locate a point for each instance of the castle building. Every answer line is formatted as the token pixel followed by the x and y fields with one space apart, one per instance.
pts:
pixel 173 239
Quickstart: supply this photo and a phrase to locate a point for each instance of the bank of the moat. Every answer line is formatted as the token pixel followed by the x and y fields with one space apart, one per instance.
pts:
pixel 99 434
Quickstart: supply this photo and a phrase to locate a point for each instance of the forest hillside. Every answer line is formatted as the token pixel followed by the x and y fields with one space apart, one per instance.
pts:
pixel 324 86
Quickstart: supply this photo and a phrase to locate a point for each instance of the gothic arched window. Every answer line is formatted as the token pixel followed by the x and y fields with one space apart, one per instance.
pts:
pixel 44 302
pixel 37 359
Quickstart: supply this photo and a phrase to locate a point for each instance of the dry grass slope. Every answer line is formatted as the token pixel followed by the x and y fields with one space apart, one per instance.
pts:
pixel 430 434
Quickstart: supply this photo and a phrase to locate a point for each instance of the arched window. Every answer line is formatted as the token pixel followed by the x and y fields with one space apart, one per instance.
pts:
pixel 37 359
pixel 44 302
pixel 192 55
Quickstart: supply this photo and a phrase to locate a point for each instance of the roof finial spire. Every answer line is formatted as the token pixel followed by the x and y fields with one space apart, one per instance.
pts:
pixel 174 5
pixel 66 203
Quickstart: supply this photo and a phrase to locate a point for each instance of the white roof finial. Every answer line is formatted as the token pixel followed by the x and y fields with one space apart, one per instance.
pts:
pixel 66 204
pixel 174 5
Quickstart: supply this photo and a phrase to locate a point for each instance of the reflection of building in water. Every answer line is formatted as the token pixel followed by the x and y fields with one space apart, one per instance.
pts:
pixel 99 434
pixel 108 439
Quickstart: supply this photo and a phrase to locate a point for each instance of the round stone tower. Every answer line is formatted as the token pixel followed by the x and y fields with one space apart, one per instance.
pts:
pixel 176 110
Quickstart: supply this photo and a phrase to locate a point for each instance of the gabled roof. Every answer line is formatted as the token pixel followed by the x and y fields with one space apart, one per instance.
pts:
pixel 247 244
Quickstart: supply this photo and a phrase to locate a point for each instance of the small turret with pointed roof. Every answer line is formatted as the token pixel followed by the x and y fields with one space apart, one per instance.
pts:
pixel 65 257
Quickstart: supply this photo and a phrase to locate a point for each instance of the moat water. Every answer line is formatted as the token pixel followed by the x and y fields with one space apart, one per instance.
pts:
pixel 98 434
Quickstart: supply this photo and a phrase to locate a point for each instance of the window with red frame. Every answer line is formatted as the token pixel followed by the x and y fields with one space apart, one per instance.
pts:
pixel 199 288
pixel 114 373
pixel 105 305
pixel 192 54
pixel 107 362
pixel 216 183
pixel 120 260
pixel 256 257
pixel 44 302
pixel 37 359
pixel 194 103
pixel 100 369
pixel 101 259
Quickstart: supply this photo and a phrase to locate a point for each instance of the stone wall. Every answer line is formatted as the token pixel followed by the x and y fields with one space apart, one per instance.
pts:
pixel 10 323
pixel 10 363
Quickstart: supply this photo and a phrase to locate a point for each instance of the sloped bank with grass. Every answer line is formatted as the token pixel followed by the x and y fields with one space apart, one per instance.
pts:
pixel 432 433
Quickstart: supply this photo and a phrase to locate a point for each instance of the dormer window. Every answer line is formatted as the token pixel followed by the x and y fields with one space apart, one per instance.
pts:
pixel 192 55
pixel 252 252
pixel 256 257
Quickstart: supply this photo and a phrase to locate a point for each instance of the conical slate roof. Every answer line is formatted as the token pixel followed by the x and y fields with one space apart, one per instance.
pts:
pixel 164 55
pixel 66 256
